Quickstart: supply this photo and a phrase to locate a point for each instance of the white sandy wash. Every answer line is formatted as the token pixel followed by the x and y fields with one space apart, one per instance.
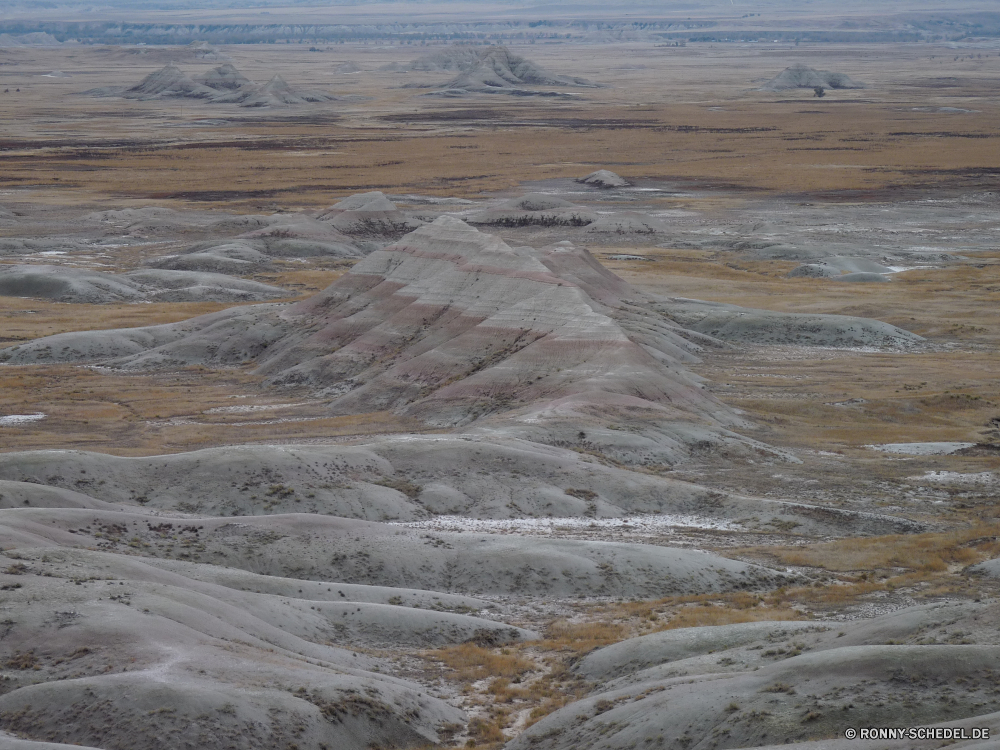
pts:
pixel 921 449
pixel 543 526
pixel 15 419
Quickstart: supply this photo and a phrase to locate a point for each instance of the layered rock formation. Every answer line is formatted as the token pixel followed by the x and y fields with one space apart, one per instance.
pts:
pixel 494 70
pixel 224 78
pixel 274 93
pixel 169 82
pixel 454 58
pixel 455 328
pixel 224 84
pixel 499 69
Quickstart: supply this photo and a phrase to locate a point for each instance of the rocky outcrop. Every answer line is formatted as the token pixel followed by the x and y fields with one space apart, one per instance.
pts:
pixel 803 77
pixel 224 84
pixel 534 209
pixel 369 214
pixel 169 82
pixel 604 178
pixel 495 70
pixel 94 287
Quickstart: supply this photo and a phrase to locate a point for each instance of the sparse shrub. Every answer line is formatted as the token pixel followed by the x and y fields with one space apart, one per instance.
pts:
pixel 692 617
pixel 779 687
pixel 584 636
pixel 473 662
pixel 486 731
pixel 405 486
pixel 26 660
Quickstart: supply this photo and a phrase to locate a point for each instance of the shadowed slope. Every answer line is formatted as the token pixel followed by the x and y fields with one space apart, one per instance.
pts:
pixel 224 84
pixel 224 78
pixel 276 92
pixel 497 70
pixel 168 82
pixel 94 287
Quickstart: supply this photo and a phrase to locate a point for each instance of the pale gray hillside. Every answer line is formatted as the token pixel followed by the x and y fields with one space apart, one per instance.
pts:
pixel 402 478
pixel 336 549
pixel 770 683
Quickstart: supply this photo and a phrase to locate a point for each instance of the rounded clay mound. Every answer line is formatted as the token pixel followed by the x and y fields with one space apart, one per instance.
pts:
pixel 369 214
pixel 604 178
pixel 224 78
pixel 803 77
pixel 813 271
pixel 67 285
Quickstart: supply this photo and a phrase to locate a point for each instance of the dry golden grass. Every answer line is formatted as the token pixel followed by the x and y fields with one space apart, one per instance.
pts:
pixel 926 565
pixel 394 162
pixel 146 414
pixel 917 553
pixel 692 610
pixel 581 637
pixel 26 319
pixel 523 683
pixel 470 662
pixel 908 397
pixel 529 680
pixel 962 301
pixel 519 683
pixel 678 141
pixel 318 275
pixel 851 140
pixel 703 616
pixel 120 154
